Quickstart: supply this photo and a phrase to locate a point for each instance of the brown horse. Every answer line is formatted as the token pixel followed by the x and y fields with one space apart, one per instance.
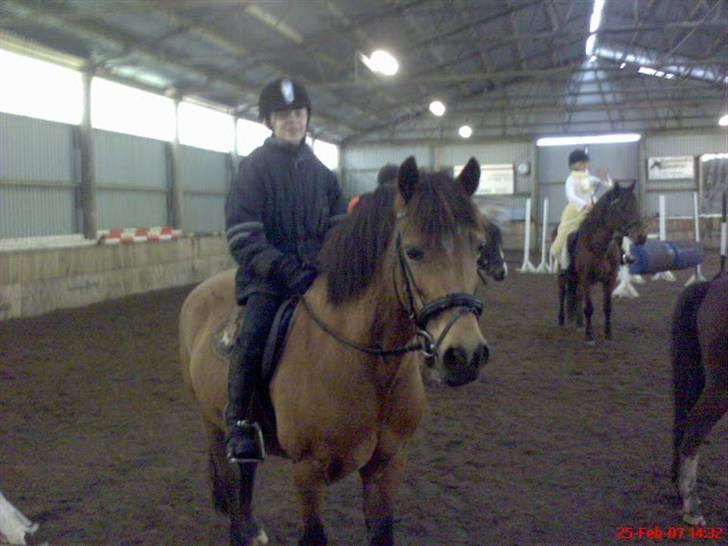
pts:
pixel 700 381
pixel 398 276
pixel 595 256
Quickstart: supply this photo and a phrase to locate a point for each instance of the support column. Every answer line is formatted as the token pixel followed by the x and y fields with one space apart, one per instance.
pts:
pixel 175 186
pixel 88 175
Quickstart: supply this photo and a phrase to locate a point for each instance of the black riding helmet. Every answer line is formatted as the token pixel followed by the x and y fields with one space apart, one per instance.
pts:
pixel 577 155
pixel 282 94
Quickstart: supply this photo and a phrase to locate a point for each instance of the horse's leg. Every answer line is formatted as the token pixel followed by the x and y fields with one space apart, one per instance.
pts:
pixel 581 288
pixel 607 305
pixel 222 475
pixel 231 496
pixel 309 479
pixel 562 297
pixel 588 311
pixel 711 406
pixel 381 481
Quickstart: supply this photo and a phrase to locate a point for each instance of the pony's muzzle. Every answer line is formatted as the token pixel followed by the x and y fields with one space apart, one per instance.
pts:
pixel 463 366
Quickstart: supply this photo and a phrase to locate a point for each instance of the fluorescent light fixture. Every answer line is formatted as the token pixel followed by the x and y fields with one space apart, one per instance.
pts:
pixel 656 73
pixel 723 121
pixel 596 17
pixel 711 157
pixel 465 131
pixel 437 108
pixel 590 43
pixel 621 66
pixel 381 62
pixel 593 139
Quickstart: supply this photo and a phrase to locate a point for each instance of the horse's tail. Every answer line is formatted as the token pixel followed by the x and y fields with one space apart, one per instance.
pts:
pixel 688 377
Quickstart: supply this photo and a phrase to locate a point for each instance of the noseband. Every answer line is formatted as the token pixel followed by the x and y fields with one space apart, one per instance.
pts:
pixel 463 302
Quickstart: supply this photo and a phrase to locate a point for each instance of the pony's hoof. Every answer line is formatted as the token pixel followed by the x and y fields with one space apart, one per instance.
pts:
pixel 696 520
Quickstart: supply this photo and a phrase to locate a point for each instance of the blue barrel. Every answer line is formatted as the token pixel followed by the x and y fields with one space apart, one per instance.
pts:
pixel 656 256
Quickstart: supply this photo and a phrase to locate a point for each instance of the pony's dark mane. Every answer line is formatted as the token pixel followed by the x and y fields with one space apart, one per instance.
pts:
pixel 355 247
pixel 595 217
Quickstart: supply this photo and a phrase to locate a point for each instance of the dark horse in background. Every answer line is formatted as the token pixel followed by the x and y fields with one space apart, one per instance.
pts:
pixel 700 381
pixel 594 251
pixel 492 262
pixel 399 275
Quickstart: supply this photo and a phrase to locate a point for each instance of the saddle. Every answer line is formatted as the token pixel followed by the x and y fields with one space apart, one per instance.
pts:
pixel 229 331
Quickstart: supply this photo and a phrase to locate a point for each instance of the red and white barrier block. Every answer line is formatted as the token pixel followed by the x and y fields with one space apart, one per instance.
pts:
pixel 137 235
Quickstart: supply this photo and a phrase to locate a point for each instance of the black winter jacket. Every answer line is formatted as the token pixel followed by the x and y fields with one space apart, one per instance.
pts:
pixel 282 201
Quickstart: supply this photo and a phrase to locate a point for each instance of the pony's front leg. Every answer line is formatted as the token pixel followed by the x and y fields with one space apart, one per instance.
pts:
pixel 381 480
pixel 244 530
pixel 309 479
pixel 588 311
pixel 607 305
pixel 562 297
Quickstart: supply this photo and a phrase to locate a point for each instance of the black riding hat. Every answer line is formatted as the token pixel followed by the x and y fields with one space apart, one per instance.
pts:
pixel 282 94
pixel 577 155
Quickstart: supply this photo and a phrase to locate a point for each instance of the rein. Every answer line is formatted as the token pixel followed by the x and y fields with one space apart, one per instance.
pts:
pixel 466 303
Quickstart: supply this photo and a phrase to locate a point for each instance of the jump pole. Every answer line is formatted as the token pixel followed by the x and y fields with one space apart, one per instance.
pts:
pixel 544 266
pixel 698 275
pixel 624 288
pixel 527 266
pixel 663 275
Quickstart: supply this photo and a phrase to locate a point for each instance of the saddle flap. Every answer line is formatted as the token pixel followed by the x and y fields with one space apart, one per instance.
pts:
pixel 225 339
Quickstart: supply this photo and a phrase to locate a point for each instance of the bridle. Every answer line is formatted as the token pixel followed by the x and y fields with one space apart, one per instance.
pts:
pixel 463 302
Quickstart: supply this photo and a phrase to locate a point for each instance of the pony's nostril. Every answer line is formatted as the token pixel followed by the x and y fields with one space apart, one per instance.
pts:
pixel 484 355
pixel 455 356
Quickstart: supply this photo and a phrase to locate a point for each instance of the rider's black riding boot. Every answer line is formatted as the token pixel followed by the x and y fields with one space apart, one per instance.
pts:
pixel 244 442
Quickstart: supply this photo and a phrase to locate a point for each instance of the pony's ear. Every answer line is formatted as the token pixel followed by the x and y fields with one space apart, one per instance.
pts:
pixel 469 177
pixel 408 177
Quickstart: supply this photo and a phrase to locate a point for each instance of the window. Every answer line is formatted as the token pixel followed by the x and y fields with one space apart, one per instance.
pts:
pixel 328 153
pixel 40 89
pixel 124 109
pixel 205 128
pixel 250 135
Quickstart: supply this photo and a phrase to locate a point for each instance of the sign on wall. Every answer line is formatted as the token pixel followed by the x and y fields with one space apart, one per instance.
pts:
pixel 671 168
pixel 497 178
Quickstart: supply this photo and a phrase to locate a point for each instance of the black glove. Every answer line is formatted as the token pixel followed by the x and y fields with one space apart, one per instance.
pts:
pixel 288 273
pixel 303 280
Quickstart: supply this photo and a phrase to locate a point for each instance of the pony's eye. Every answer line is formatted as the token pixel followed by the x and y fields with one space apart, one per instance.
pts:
pixel 414 254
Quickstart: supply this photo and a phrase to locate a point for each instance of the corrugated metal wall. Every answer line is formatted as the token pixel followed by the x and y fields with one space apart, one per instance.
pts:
pixel 37 191
pixel 205 179
pixel 39 174
pixel 39 179
pixel 361 164
pixel 622 161
pixel 679 193
pixel 131 180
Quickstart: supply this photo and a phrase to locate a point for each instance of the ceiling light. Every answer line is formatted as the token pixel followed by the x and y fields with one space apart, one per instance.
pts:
pixel 594 139
pixel 723 121
pixel 590 43
pixel 381 62
pixel 596 16
pixel 437 108
pixel 621 66
pixel 465 131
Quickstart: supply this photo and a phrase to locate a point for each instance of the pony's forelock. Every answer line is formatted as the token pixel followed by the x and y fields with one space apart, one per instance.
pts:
pixel 351 255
